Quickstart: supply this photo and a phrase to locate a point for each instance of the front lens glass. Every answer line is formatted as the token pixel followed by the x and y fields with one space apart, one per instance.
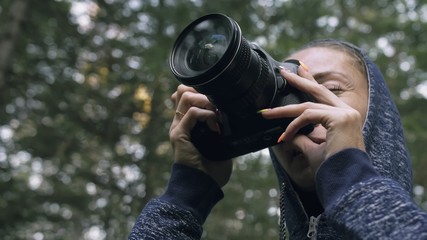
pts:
pixel 206 52
pixel 203 46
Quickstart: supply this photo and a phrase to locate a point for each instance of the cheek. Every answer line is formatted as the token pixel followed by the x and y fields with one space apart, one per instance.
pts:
pixel 362 110
pixel 298 171
pixel 293 167
pixel 361 95
pixel 282 157
pixel 358 102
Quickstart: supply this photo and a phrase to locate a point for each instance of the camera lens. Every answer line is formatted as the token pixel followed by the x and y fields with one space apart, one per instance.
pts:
pixel 211 55
pixel 206 52
pixel 200 46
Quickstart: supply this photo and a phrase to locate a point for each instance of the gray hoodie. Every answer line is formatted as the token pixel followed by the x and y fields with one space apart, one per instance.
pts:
pixel 385 148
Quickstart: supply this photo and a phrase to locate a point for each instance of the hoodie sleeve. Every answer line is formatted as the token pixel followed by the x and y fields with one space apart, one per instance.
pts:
pixel 365 205
pixel 181 211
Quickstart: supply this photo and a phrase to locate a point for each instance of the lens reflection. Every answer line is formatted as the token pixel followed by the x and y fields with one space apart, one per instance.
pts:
pixel 202 46
pixel 206 52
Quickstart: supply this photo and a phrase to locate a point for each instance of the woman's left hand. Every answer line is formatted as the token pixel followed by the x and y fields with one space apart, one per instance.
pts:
pixel 342 122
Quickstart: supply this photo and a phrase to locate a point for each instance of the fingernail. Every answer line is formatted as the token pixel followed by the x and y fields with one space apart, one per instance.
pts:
pixel 281 138
pixel 304 66
pixel 263 110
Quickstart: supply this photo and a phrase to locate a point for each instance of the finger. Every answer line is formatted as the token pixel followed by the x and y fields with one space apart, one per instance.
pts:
pixel 188 100
pixel 201 115
pixel 303 71
pixel 319 92
pixel 182 128
pixel 292 110
pixel 181 89
pixel 329 117
pixel 343 128
pixel 310 116
pixel 174 97
pixel 191 99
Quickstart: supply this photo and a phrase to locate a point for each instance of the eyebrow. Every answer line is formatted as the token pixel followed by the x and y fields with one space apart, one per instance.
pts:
pixel 320 76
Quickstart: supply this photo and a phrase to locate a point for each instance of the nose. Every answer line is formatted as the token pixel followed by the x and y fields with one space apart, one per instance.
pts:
pixel 318 135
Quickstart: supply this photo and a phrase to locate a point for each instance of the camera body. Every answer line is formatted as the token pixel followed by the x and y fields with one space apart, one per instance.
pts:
pixel 239 78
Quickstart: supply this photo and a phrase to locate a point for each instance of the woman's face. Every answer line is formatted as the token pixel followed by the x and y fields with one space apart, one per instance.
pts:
pixel 335 70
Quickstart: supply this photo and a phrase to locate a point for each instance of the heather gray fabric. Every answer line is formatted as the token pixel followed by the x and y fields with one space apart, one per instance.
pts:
pixel 385 146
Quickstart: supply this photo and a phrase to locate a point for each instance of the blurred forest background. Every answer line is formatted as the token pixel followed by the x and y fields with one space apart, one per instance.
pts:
pixel 85 108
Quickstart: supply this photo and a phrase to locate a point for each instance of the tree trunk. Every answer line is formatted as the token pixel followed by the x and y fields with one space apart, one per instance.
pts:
pixel 9 35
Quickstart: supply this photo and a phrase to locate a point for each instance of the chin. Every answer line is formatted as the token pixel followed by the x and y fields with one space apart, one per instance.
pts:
pixel 305 182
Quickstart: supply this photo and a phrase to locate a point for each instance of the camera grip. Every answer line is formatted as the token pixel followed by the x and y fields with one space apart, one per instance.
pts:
pixel 216 147
pixel 210 144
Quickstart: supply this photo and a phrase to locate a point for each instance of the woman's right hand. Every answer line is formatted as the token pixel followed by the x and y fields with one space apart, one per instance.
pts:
pixel 192 107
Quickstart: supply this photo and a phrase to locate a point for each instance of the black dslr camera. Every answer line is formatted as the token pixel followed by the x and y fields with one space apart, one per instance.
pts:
pixel 240 79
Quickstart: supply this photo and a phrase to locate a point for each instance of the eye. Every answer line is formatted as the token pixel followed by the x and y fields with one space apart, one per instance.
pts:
pixel 334 87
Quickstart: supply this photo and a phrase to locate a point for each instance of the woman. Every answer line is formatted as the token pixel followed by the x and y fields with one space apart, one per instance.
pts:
pixel 349 178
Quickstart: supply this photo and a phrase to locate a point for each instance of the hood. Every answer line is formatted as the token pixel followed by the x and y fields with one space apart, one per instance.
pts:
pixel 385 145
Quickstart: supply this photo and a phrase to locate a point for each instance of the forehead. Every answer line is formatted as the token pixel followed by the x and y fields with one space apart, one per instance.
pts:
pixel 322 59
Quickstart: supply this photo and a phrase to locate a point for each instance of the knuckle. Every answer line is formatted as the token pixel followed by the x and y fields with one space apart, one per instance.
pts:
pixel 350 115
pixel 308 105
pixel 186 96
pixel 353 114
pixel 192 111
pixel 308 114
pixel 181 88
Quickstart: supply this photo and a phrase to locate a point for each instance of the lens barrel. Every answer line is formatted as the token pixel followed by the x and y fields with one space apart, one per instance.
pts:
pixel 211 55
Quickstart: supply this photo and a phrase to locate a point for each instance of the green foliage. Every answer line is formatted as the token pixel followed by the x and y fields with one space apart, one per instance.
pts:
pixel 85 109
